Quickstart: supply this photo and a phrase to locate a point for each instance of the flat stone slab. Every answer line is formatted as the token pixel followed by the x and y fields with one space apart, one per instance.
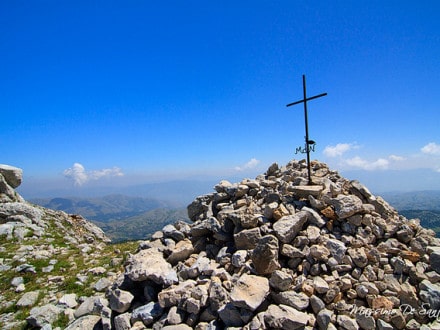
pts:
pixel 306 191
pixel 250 291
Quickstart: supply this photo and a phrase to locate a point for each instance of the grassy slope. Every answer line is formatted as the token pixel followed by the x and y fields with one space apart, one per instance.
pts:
pixel 71 261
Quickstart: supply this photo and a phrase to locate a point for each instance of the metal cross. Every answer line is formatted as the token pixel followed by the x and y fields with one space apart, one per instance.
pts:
pixel 309 143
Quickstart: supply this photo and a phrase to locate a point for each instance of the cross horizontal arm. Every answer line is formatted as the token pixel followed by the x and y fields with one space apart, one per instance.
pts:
pixel 307 99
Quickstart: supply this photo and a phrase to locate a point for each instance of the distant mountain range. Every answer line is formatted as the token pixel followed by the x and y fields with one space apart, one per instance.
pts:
pixel 414 200
pixel 143 225
pixel 428 218
pixel 121 217
pixel 124 217
pixel 177 193
pixel 424 205
pixel 103 209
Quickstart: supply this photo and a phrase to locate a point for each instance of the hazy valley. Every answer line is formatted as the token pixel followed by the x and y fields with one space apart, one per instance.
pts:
pixel 121 217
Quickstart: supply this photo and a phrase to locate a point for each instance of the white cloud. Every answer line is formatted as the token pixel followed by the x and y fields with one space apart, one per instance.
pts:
pixel 396 158
pixel 106 172
pixel 77 173
pixel 431 148
pixel 338 150
pixel 249 165
pixel 80 176
pixel 379 164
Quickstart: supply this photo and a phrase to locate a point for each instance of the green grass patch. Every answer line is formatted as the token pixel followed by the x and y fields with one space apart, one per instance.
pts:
pixel 62 265
pixel 39 264
pixel 12 308
pixel 72 285
pixel 70 262
pixel 61 322
pixel 23 313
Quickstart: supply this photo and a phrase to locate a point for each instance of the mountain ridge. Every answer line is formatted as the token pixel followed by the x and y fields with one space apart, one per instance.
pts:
pixel 103 209
pixel 414 200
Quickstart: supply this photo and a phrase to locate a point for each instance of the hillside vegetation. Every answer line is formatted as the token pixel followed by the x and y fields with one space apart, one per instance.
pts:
pixel 141 226
pixel 49 260
pixel 423 205
pixel 123 218
pixel 414 200
pixel 428 218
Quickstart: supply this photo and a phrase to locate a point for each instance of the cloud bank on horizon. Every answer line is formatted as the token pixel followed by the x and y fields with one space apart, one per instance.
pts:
pixel 428 157
pixel 80 176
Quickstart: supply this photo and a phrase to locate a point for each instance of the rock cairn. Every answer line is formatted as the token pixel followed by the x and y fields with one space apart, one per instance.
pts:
pixel 276 253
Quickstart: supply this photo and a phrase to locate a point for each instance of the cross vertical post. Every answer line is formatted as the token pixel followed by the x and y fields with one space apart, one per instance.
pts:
pixel 307 140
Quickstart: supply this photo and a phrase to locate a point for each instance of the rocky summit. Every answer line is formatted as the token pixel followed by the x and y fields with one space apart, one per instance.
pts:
pixel 276 253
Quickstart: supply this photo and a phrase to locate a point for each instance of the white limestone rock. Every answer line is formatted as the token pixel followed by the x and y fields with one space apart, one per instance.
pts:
pixel 346 205
pixel 147 313
pixel 28 299
pixel 13 175
pixel 150 264
pixel 120 300
pixel 249 291
pixel 285 317
pixel 289 226
pixel 43 315
pixel 84 322
pixel 69 300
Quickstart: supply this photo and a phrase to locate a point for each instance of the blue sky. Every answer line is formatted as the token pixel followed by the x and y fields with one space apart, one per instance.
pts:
pixel 121 92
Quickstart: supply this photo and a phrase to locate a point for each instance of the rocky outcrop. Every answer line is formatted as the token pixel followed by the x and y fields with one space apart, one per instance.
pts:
pixel 44 256
pixel 19 218
pixel 10 178
pixel 12 175
pixel 275 253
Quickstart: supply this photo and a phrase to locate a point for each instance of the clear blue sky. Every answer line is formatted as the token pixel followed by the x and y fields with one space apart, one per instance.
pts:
pixel 139 90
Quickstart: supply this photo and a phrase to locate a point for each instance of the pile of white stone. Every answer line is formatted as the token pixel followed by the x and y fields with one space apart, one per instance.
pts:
pixel 277 253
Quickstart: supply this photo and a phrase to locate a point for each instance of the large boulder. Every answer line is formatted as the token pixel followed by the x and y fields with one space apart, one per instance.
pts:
pixel 150 264
pixel 85 322
pixel 346 205
pixel 13 175
pixel 434 258
pixel 7 193
pixel 43 315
